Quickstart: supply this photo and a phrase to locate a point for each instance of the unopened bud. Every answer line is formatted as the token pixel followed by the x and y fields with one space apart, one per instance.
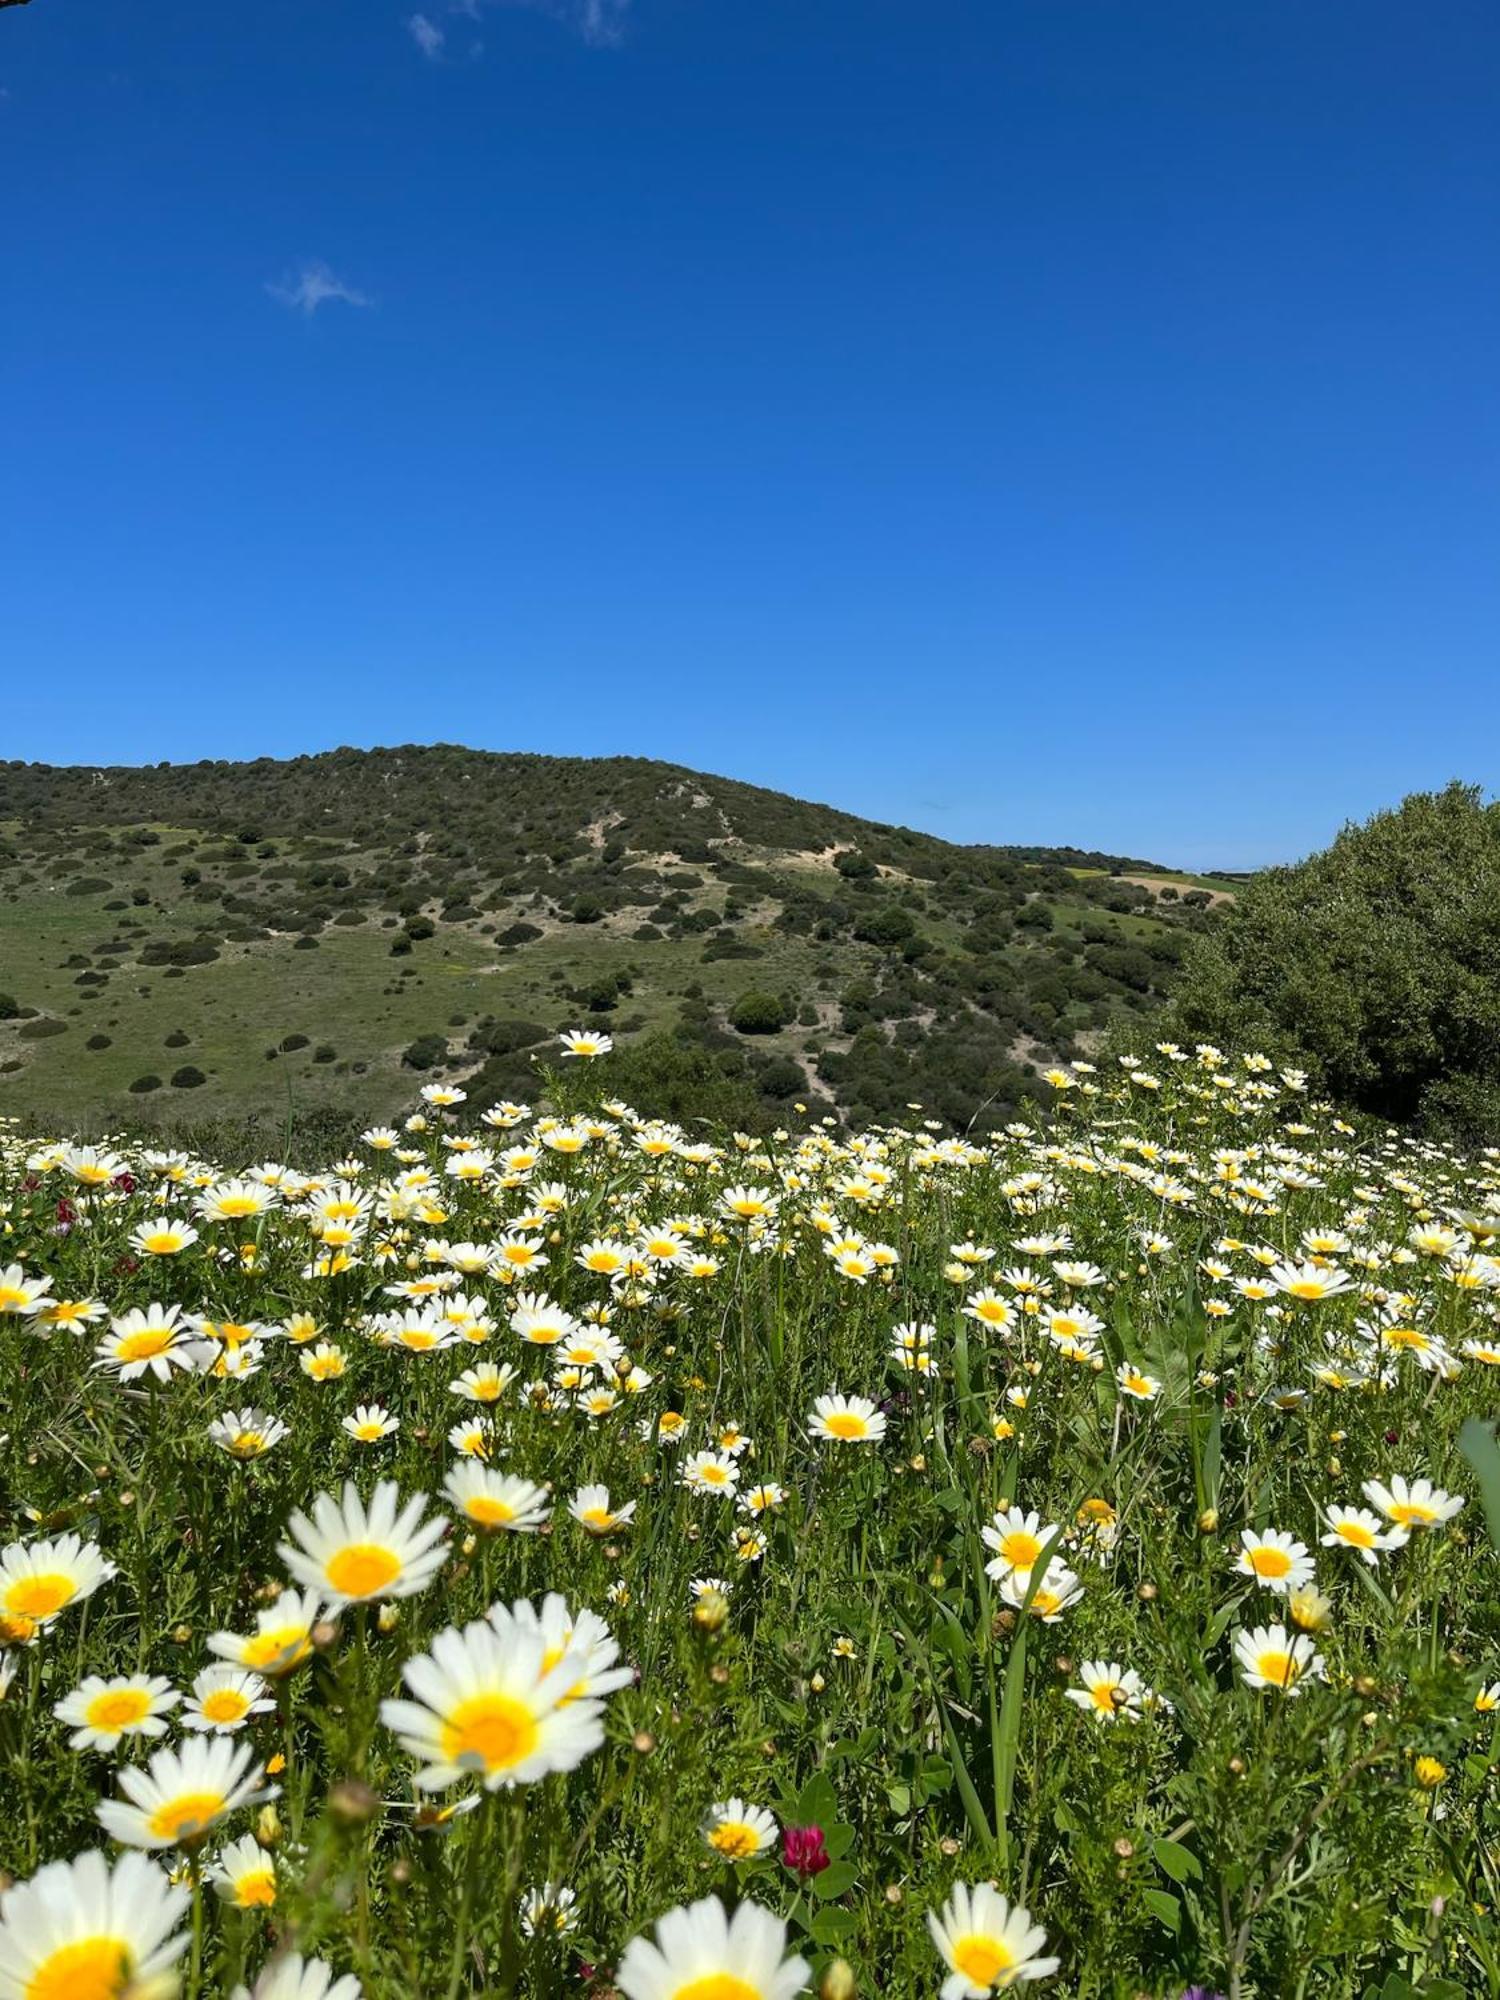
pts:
pixel 353 1802
pixel 837 1982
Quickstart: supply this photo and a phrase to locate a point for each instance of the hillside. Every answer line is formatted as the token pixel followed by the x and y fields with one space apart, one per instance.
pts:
pixel 279 938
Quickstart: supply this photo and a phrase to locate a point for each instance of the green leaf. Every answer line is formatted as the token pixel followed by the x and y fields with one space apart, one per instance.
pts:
pixel 834 1881
pixel 831 1927
pixel 1166 1909
pixel 1476 1441
pixel 838 1839
pixel 817 1803
pixel 1176 1860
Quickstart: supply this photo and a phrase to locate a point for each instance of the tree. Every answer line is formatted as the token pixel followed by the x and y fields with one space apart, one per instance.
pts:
pixel 1377 962
pixel 758 1014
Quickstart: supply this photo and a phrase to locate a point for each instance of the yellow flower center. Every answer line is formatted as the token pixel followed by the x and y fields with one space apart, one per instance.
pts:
pixel 96 1968
pixel 1279 1668
pixel 717 1986
pixel 489 1512
pixel 1307 1288
pixel 238 1204
pixel 142 1346
pixel 257 1890
pixel 844 1424
pixel 981 1960
pixel 494 1731
pixel 1021 1549
pixel 277 1650
pixel 193 1812
pixel 39 1596
pixel 362 1569
pixel 162 1242
pixel 118 1709
pixel 1103 1696
pixel 734 1839
pixel 225 1705
pixel 1356 1534
pixel 596 1517
pixel 1413 1513
pixel 1268 1562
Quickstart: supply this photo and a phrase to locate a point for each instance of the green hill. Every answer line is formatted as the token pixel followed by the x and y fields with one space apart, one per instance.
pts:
pixel 294 938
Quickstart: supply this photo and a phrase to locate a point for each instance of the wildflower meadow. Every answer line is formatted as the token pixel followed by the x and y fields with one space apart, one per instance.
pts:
pixel 553 1551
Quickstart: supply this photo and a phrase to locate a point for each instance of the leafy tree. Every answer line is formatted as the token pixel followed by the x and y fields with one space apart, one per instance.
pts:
pixel 1376 961
pixel 758 1014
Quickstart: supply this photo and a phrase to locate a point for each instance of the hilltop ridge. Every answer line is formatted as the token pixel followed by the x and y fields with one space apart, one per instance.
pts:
pixel 332 922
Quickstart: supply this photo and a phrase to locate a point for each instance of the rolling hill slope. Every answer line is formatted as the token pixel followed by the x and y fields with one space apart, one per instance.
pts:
pixel 277 938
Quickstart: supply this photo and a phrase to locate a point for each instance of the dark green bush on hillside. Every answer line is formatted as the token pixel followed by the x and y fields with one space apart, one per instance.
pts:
pixel 1378 960
pixel 758 1014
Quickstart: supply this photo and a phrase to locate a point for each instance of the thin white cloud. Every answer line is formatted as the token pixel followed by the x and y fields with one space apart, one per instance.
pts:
pixel 313 285
pixel 427 35
pixel 600 23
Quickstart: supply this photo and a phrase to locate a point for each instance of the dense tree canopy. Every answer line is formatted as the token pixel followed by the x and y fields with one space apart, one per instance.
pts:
pixel 1378 960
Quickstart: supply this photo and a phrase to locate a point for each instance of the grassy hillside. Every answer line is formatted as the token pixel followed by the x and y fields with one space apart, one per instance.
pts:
pixel 273 938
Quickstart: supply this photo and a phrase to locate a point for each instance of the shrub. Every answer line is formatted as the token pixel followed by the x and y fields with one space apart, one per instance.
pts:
pixel 758 1014
pixel 144 1083
pixel 426 1052
pixel 1377 961
pixel 187 1078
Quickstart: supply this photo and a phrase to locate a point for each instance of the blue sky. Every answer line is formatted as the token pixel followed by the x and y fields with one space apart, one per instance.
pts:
pixel 1062 420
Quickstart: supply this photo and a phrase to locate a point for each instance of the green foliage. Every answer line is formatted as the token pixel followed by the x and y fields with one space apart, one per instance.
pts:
pixel 757 1013
pixel 1377 962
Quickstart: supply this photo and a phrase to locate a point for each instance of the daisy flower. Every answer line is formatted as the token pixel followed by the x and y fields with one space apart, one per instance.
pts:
pixel 848 1419
pixel 162 1237
pixel 711 1472
pixel 474 1439
pixel 703 1952
pixel 987 1943
pixel 590 1507
pixel 488 1706
pixel 585 1638
pixel 1135 1382
pixel 370 1423
pixel 738 1832
pixel 1110 1692
pixel 282 1638
pixel 101 1712
pixel 352 1554
pixel 151 1339
pixel 485 1384
pixel 580 1042
pixel 244 1875
pixel 183 1794
pixel 224 1699
pixel 40 1580
pixel 22 1296
pixel 89 1928
pixel 247 1433
pixel 1271 1657
pixel 1274 1559
pixel 495 1500
pixel 1358 1529
pixel 298 1978
pixel 1018 1540
pixel 1412 1504
pixel 549 1909
pixel 1057 1589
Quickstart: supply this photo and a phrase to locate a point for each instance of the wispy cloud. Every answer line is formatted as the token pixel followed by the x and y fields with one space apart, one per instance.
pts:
pixel 427 35
pixel 599 23
pixel 312 285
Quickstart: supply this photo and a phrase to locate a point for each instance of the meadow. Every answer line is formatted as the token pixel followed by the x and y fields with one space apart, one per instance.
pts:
pixel 550 1551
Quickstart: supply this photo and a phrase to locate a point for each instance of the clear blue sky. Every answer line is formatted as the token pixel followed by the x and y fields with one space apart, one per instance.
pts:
pixel 1066 420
